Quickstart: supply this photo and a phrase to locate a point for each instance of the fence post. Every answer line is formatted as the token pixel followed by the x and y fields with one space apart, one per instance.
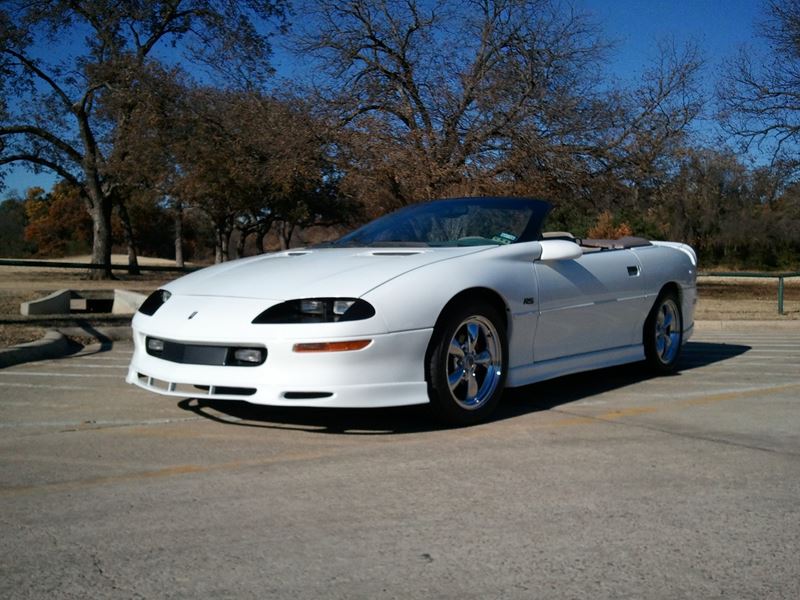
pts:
pixel 780 295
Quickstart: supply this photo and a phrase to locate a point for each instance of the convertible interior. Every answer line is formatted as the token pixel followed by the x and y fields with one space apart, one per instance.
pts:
pixel 596 245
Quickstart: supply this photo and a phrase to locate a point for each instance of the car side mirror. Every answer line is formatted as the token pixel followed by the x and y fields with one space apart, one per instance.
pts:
pixel 559 250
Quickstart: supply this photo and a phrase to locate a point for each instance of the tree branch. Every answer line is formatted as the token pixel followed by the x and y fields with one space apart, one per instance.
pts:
pixel 44 135
pixel 43 162
pixel 31 66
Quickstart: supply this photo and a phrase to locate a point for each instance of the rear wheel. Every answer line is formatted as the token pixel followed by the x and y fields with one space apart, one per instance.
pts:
pixel 663 333
pixel 467 363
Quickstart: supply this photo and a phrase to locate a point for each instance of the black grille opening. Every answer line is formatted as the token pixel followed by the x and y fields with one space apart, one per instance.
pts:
pixel 235 391
pixel 306 395
pixel 200 354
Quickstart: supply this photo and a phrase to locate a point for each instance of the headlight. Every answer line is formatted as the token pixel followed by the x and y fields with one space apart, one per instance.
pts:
pixel 317 310
pixel 154 301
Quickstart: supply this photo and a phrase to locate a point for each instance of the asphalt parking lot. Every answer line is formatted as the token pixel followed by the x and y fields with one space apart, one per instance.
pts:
pixel 603 485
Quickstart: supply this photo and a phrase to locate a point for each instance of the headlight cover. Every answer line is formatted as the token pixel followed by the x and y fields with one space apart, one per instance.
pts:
pixel 154 301
pixel 316 310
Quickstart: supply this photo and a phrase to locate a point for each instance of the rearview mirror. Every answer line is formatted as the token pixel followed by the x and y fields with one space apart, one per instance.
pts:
pixel 559 250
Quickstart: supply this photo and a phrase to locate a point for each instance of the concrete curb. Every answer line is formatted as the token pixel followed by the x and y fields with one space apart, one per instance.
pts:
pixel 101 334
pixel 776 325
pixel 53 345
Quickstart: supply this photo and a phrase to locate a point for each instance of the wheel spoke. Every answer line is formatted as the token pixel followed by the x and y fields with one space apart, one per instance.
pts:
pixel 454 378
pixel 456 349
pixel 473 331
pixel 483 359
pixel 472 386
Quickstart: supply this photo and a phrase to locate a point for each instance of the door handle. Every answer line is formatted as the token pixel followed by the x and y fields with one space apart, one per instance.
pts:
pixel 633 271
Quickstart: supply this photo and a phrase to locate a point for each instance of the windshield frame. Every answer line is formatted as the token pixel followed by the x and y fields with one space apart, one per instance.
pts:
pixel 539 209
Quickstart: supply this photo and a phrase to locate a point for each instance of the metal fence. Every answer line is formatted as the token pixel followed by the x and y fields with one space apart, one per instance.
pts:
pixel 755 275
pixel 8 262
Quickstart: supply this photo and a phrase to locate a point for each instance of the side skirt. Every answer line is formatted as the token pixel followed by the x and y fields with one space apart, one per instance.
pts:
pixel 577 363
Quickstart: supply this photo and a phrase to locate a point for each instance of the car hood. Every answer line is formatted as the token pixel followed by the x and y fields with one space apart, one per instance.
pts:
pixel 324 272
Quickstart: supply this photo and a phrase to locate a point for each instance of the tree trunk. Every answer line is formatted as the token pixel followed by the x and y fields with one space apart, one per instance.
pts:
pixel 243 235
pixel 260 235
pixel 223 241
pixel 179 235
pixel 285 231
pixel 130 241
pixel 262 230
pixel 100 211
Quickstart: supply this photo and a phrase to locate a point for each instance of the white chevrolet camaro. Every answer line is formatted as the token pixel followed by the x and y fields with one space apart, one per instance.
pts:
pixel 446 302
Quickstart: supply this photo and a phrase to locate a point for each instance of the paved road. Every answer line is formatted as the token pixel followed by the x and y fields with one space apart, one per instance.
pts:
pixel 606 485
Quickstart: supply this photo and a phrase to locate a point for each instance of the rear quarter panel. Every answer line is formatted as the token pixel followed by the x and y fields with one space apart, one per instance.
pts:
pixel 662 264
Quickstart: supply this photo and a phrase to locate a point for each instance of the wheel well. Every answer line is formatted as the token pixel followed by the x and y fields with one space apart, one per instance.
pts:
pixel 671 287
pixel 665 289
pixel 475 295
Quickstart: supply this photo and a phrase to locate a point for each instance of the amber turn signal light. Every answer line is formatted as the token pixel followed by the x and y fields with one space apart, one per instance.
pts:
pixel 332 346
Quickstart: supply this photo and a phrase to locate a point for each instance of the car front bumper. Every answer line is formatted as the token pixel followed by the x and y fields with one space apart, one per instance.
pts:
pixel 388 372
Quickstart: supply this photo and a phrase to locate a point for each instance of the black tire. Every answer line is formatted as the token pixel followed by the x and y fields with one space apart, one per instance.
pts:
pixel 477 331
pixel 663 334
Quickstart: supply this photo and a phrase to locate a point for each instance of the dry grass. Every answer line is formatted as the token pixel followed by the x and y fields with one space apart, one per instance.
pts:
pixel 11 335
pixel 734 298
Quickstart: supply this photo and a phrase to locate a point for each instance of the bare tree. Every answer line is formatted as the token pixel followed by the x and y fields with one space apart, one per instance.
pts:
pixel 438 87
pixel 760 97
pixel 49 116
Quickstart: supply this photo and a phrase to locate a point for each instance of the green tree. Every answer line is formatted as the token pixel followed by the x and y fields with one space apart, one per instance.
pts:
pixel 13 221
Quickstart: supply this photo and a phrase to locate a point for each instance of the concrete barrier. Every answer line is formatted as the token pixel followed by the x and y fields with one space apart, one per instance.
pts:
pixel 126 303
pixel 56 303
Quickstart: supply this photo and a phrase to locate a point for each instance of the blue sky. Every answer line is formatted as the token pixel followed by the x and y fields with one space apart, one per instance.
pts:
pixel 718 27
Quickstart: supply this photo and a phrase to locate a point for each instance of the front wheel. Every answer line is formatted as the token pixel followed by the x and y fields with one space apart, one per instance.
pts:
pixel 663 334
pixel 467 363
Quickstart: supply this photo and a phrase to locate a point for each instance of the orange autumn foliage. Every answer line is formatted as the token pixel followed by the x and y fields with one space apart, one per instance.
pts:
pixel 605 229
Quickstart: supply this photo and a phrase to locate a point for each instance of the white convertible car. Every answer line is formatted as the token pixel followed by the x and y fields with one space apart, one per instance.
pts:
pixel 446 302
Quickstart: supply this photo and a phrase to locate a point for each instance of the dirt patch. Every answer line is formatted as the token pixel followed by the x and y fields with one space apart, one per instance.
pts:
pixel 735 298
pixel 12 335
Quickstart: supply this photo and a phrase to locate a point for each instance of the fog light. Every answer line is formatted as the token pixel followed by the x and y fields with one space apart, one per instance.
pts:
pixel 249 355
pixel 155 345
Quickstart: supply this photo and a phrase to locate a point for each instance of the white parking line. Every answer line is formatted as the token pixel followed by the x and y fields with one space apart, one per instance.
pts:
pixel 45 374
pixel 45 386
pixel 77 366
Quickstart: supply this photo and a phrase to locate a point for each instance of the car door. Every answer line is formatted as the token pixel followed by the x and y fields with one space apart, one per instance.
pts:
pixel 588 304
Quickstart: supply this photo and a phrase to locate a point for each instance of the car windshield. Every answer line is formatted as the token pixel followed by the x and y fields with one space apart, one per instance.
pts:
pixel 454 222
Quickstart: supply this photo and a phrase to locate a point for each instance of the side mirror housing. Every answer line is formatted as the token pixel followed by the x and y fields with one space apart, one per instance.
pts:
pixel 559 250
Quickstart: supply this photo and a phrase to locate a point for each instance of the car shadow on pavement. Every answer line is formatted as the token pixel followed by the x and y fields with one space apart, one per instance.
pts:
pixel 415 419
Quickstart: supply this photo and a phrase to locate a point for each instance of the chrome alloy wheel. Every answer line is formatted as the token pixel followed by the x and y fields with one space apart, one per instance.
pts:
pixel 668 331
pixel 474 362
